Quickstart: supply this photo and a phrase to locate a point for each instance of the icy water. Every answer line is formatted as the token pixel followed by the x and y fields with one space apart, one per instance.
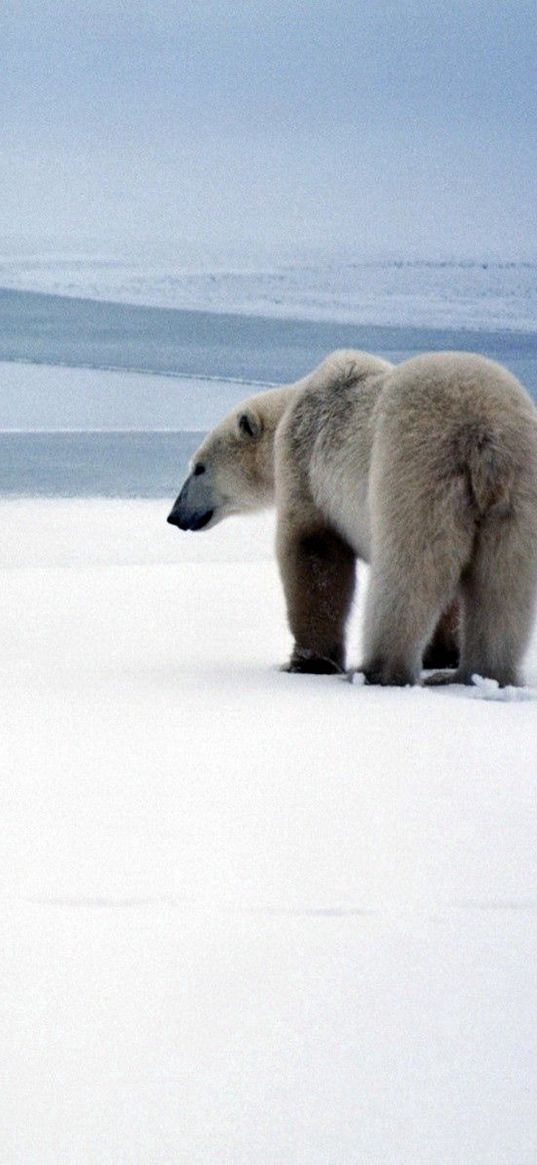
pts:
pixel 52 329
pixel 218 358
pixel 128 465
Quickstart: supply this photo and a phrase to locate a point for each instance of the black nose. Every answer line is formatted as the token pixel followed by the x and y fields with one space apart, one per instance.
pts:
pixel 175 520
pixel 189 519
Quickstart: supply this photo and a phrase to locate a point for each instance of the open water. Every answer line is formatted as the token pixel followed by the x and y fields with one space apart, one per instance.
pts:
pixel 222 357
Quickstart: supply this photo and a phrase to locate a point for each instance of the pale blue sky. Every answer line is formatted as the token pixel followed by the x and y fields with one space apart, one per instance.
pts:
pixel 402 126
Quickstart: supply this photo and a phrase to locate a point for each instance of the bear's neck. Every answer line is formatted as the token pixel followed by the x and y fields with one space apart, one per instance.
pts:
pixel 274 403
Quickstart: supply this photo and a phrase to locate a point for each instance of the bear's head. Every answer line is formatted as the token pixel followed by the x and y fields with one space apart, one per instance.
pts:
pixel 233 469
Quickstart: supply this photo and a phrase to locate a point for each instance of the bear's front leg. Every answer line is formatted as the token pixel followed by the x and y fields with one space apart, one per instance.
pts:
pixel 318 573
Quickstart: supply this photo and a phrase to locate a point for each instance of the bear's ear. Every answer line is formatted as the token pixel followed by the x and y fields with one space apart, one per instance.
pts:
pixel 250 423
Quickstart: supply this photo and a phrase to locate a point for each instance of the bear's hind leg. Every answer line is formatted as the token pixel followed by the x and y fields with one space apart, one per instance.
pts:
pixel 498 592
pixel 414 576
pixel 399 621
pixel 318 573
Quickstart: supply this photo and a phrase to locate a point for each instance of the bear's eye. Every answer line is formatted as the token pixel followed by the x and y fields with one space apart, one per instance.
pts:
pixel 247 425
pixel 198 469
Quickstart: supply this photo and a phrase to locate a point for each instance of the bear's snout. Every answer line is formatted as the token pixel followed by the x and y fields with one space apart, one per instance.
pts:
pixel 190 522
pixel 192 510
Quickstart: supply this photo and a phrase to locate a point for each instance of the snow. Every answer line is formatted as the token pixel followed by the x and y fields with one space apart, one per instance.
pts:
pixel 489 689
pixel 479 292
pixel 247 916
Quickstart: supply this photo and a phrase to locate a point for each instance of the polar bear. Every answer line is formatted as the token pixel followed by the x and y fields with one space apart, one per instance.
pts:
pixel 427 470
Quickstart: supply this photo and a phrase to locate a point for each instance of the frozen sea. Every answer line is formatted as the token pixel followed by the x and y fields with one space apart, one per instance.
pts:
pixel 113 364
pixel 473 292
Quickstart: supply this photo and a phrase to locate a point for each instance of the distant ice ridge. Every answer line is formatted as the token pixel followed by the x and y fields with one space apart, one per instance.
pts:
pixel 344 287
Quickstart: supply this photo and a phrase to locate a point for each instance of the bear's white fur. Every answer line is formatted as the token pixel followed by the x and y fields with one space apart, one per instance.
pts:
pixel 426 469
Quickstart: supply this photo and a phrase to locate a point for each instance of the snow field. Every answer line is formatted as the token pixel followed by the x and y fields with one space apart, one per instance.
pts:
pixel 476 292
pixel 248 917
